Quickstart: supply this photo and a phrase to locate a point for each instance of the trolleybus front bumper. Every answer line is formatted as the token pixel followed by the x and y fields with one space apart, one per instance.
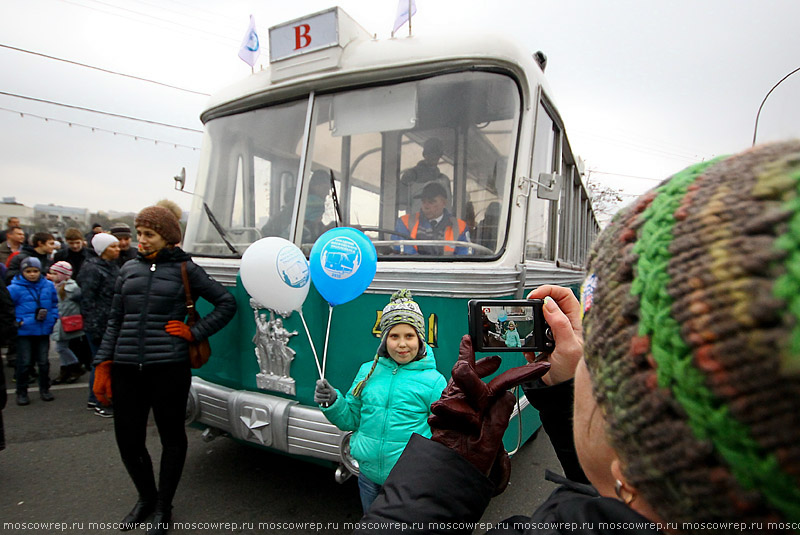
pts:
pixel 270 421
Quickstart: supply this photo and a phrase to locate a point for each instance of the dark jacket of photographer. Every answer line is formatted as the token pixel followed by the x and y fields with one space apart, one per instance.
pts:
pixel 455 494
pixel 148 294
pixel 96 279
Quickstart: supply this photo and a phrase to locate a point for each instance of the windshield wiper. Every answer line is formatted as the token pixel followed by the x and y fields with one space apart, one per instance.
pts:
pixel 335 199
pixel 220 230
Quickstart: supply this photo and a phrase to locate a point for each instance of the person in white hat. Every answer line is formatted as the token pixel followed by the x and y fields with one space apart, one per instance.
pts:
pixel 96 279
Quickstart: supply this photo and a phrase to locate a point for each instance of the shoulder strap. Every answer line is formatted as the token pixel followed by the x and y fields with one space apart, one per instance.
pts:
pixel 189 301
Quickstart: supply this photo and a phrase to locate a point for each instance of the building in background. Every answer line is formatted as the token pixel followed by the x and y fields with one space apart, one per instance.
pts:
pixel 9 207
pixel 55 219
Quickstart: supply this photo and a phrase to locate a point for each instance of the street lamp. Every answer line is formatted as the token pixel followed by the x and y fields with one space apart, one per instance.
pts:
pixel 755 129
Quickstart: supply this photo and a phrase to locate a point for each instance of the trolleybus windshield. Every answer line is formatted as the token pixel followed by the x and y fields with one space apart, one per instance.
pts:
pixel 423 167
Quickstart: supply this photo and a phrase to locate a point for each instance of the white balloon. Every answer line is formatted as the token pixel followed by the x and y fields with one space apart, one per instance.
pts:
pixel 275 273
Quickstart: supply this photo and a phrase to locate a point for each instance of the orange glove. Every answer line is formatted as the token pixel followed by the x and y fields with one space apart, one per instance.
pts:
pixel 102 382
pixel 179 328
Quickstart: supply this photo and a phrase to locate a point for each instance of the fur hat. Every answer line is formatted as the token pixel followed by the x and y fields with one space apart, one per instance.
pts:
pixel 30 262
pixel 692 339
pixel 101 241
pixel 120 230
pixel 62 267
pixel 164 218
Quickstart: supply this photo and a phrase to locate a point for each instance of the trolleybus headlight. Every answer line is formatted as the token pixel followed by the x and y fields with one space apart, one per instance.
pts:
pixel 344 453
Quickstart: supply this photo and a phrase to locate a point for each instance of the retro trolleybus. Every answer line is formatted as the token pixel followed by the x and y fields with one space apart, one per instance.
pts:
pixel 344 129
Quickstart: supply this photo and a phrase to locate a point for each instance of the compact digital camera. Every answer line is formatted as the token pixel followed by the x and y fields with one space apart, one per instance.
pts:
pixel 502 325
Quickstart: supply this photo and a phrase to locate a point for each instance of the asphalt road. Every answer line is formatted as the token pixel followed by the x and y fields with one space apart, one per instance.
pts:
pixel 61 466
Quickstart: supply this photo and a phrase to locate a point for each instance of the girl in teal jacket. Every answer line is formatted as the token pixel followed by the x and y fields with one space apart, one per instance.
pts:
pixel 390 398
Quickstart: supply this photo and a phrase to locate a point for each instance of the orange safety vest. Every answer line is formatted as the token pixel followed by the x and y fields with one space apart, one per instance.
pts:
pixel 413 227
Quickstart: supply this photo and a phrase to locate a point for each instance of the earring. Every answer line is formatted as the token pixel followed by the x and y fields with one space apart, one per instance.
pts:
pixel 619 489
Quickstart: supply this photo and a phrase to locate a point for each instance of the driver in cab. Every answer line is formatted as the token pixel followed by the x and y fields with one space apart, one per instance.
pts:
pixel 432 222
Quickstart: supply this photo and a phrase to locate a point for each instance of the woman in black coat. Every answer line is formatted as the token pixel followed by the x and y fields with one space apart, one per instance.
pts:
pixel 143 360
pixel 7 331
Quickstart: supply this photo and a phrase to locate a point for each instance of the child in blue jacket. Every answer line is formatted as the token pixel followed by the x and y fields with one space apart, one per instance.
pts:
pixel 36 308
pixel 390 397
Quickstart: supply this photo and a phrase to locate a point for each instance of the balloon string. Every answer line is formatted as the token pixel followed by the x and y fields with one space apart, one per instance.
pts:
pixel 327 333
pixel 311 343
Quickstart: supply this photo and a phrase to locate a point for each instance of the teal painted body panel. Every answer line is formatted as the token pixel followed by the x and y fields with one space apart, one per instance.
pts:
pixel 353 340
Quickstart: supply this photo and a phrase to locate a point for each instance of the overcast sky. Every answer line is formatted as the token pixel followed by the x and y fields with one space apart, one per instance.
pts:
pixel 645 88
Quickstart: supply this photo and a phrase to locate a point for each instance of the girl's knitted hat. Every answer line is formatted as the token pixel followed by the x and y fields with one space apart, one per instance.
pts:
pixel 163 218
pixel 401 309
pixel 692 339
pixel 62 268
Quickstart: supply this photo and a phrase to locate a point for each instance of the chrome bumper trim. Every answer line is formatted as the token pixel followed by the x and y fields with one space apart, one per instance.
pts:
pixel 265 420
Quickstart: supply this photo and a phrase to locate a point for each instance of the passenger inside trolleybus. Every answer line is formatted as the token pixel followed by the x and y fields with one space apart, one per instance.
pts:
pixel 313 226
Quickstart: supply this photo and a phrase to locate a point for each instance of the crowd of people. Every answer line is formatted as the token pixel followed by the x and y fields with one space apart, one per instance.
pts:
pixel 671 399
pixel 91 298
pixel 59 261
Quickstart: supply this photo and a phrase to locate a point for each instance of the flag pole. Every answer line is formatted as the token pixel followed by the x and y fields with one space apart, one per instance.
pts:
pixel 409 18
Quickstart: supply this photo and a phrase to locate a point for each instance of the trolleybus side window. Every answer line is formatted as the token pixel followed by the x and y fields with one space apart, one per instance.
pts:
pixel 540 234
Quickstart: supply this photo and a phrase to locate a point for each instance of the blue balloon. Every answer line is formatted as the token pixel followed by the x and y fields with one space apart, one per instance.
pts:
pixel 342 262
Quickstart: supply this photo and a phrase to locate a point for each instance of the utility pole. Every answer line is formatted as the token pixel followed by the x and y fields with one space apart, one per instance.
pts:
pixel 755 129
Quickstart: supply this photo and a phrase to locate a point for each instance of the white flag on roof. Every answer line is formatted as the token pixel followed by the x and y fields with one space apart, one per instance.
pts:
pixel 250 48
pixel 405 9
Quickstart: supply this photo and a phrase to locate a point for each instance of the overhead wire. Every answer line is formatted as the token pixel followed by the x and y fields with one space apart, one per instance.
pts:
pixel 91 110
pixel 211 17
pixel 626 176
pixel 218 37
pixel 214 15
pixel 646 149
pixel 24 114
pixel 627 134
pixel 17 49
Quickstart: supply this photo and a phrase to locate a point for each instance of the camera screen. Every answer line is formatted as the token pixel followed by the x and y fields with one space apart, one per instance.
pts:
pixel 507 326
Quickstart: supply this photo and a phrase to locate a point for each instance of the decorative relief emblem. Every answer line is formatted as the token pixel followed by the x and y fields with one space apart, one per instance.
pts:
pixel 257 420
pixel 273 352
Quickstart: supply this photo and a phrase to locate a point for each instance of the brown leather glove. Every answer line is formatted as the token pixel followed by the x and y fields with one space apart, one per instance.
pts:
pixel 102 382
pixel 471 416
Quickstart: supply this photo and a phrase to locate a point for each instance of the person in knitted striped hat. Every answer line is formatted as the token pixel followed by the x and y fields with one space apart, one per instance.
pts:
pixel 390 398
pixel 683 360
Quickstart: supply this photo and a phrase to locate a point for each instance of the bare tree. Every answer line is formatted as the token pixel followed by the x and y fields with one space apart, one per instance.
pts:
pixel 605 199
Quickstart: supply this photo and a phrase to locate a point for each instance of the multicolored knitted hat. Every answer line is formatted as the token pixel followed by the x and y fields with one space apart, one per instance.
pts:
pixel 402 309
pixel 692 339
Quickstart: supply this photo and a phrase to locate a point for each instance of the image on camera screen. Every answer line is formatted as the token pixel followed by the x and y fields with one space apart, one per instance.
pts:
pixel 507 326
